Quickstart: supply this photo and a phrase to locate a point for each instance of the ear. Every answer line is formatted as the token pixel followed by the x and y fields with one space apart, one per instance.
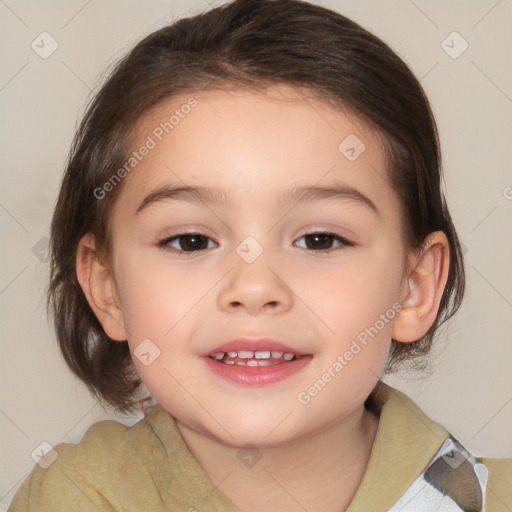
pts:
pixel 99 287
pixel 424 288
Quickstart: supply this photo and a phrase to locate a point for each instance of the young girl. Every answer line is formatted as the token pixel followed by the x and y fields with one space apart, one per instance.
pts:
pixel 251 227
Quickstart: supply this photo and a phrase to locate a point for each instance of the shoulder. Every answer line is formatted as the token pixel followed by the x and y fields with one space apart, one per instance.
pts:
pixel 456 480
pixel 441 470
pixel 60 480
pixel 499 484
pixel 86 475
pixel 473 483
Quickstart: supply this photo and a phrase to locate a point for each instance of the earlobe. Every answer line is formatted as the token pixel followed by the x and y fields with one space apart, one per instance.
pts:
pixel 424 290
pixel 99 287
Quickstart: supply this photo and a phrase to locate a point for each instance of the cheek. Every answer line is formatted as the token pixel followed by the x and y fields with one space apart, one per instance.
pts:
pixel 155 298
pixel 354 300
pixel 157 307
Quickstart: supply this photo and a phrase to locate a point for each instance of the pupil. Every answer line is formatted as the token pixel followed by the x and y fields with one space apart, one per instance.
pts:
pixel 323 237
pixel 194 246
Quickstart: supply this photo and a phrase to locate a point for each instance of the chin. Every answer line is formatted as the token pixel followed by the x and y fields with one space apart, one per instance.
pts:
pixel 262 430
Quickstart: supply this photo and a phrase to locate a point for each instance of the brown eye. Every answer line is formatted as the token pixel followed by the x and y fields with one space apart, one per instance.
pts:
pixel 186 243
pixel 323 242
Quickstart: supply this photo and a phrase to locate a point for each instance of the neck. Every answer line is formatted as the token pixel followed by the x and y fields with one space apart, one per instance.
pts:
pixel 318 472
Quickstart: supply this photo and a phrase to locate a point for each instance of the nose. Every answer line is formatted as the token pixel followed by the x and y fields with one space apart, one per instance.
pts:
pixel 255 287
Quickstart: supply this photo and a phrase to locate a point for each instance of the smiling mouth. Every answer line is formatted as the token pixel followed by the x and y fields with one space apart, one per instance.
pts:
pixel 255 358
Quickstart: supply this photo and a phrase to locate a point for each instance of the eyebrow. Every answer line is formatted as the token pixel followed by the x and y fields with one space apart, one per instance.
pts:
pixel 218 196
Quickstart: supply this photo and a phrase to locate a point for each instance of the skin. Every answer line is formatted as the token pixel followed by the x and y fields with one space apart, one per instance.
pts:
pixel 256 146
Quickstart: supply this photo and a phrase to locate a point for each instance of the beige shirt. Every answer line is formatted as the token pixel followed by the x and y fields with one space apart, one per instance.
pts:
pixel 148 467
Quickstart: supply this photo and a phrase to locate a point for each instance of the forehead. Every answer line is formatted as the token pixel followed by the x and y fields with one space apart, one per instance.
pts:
pixel 238 139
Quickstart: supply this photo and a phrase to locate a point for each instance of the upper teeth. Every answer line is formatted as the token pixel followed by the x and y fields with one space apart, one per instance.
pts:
pixel 258 354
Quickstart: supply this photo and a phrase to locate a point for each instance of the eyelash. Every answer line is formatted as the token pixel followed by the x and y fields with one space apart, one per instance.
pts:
pixel 163 244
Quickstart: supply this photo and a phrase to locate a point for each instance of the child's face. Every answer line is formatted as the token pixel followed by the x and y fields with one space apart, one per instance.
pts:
pixel 256 148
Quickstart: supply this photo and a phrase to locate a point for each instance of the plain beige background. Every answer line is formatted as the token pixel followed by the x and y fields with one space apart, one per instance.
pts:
pixel 470 390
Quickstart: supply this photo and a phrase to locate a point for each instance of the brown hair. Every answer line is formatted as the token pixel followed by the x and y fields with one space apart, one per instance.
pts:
pixel 245 43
